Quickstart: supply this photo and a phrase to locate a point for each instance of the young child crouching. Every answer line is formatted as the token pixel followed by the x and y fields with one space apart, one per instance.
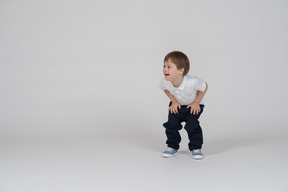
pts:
pixel 186 104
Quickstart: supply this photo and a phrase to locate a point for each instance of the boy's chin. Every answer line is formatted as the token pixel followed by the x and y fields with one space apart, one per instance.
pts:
pixel 167 78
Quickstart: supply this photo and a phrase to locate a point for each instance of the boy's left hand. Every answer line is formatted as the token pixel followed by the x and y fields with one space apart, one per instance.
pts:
pixel 195 108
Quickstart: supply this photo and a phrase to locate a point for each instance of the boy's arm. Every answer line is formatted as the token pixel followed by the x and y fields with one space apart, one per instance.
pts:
pixel 195 108
pixel 175 104
pixel 200 95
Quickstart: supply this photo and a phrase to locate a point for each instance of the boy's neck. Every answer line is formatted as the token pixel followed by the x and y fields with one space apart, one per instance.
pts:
pixel 177 82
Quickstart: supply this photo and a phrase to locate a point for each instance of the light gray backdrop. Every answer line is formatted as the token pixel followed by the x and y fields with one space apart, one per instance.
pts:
pixel 80 107
pixel 93 67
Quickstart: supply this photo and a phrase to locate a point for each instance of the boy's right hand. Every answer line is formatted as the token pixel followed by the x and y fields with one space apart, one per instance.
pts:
pixel 174 107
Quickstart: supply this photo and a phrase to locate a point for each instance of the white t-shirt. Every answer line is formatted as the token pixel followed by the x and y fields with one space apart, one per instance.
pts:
pixel 186 93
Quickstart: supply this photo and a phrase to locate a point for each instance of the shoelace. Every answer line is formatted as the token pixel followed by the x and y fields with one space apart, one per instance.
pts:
pixel 169 149
pixel 197 151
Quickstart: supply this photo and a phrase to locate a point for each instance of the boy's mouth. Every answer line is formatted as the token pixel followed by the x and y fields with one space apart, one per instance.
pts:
pixel 166 75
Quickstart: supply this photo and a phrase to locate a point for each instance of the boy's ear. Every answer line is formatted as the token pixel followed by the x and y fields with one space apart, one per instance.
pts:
pixel 181 70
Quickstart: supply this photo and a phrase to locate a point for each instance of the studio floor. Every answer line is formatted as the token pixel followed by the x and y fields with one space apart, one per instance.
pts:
pixel 110 163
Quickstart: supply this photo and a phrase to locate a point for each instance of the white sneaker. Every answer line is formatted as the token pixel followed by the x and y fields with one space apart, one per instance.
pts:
pixel 169 152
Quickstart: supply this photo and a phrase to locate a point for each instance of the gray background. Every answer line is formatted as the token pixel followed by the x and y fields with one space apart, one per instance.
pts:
pixel 81 77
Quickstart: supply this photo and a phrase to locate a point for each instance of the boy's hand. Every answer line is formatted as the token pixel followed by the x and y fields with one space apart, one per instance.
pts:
pixel 174 107
pixel 195 108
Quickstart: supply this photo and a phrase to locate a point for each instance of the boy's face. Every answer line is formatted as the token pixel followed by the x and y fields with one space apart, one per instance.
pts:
pixel 171 72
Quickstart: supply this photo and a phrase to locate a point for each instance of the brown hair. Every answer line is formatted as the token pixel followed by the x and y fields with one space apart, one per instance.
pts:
pixel 180 60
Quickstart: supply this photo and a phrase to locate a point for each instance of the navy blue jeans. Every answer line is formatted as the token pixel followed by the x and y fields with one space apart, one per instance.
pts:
pixel 192 126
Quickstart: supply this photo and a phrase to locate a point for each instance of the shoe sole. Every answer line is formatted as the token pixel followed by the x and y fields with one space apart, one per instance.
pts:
pixel 167 155
pixel 198 157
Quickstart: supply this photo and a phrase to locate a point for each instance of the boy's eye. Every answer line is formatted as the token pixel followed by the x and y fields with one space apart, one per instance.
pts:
pixel 166 67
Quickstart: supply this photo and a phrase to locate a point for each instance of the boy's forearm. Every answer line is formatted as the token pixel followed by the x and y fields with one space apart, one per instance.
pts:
pixel 171 97
pixel 200 95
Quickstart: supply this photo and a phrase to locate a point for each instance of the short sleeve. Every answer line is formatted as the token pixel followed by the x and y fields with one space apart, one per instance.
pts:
pixel 199 84
pixel 162 85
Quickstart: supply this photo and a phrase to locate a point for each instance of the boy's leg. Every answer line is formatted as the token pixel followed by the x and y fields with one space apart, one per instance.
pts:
pixel 173 125
pixel 194 130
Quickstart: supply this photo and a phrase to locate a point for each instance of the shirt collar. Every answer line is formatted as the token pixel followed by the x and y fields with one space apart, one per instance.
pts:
pixel 181 87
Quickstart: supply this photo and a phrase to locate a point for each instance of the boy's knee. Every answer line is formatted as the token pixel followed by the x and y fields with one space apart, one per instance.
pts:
pixel 190 127
pixel 172 125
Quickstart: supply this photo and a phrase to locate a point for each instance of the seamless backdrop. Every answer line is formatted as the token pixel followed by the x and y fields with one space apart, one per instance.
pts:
pixel 91 69
pixel 69 66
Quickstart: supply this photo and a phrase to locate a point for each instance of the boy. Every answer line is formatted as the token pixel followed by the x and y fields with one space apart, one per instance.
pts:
pixel 186 93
